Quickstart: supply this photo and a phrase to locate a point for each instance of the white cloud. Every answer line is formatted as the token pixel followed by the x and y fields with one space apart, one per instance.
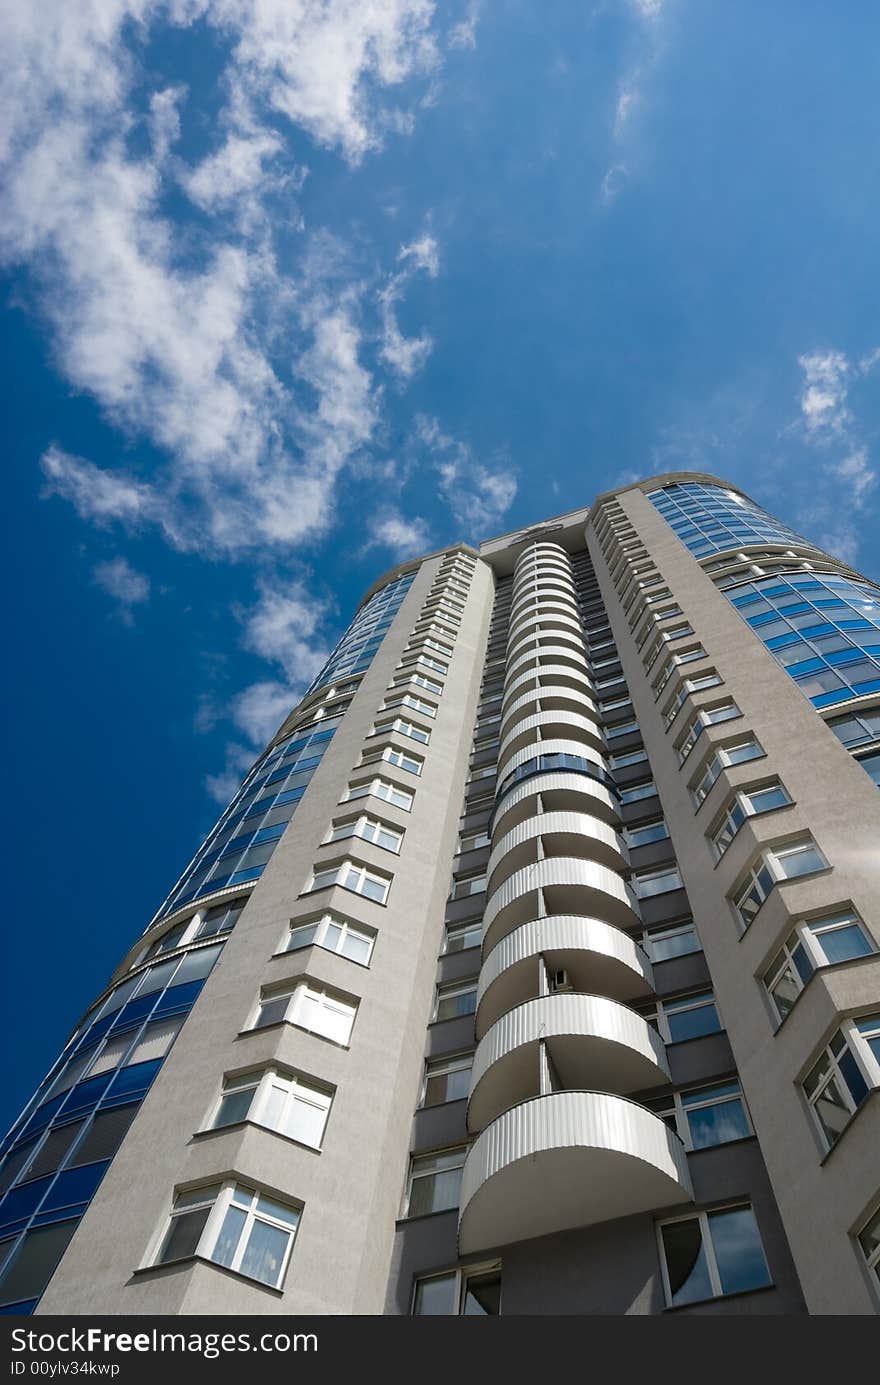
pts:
pixel 615 180
pixel 856 471
pixel 223 785
pixel 406 355
pixel 180 339
pixel 260 709
pixel 127 586
pixel 405 537
pixel 98 495
pixel 478 495
pixel 164 121
pixel 464 33
pixel 283 628
pixel 823 397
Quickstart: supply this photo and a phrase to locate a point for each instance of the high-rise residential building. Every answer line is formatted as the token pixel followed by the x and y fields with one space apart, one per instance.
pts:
pixel 534 968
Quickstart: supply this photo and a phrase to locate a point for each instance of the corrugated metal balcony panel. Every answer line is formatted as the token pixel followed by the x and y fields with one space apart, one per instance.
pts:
pixel 564 834
pixel 566 1160
pixel 598 957
pixel 593 1042
pixel 570 885
pixel 561 791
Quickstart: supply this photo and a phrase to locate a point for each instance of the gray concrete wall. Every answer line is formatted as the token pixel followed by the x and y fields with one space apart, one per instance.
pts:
pixel 351 1190
pixel 821 1199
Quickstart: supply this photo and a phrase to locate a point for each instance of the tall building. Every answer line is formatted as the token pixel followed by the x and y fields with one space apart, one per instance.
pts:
pixel 533 969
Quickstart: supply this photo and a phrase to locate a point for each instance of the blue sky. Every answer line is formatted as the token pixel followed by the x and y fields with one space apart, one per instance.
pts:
pixel 294 290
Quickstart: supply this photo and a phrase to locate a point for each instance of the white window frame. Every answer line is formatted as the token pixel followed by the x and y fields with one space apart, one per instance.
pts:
pixel 368 829
pixel 448 990
pixel 632 793
pixel 221 1197
pixel 675 1105
pixel 414 704
pixel 706 716
pixel 262 1081
pixel 402 727
pixel 344 929
pixel 708 1247
pixel 766 872
pixel 848 1038
pixel 683 928
pixel 350 875
pixel 394 755
pixel 307 991
pixel 871 1257
pixel 737 809
pixel 677 1004
pixel 639 877
pixel 473 841
pixel 414 656
pixel 413 1175
pixel 462 926
pixel 442 1066
pixel 688 686
pixel 460 1276
pixel 718 761
pixel 630 834
pixel 805 938
pixel 429 684
pixel 383 789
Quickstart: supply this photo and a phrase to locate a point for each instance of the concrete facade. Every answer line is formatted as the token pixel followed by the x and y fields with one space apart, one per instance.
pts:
pixel 555 794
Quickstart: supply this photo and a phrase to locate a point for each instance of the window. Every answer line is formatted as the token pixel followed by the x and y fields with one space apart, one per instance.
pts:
pixel 705 1116
pixel 724 757
pixel 869 1242
pixel 631 757
pixel 781 863
pixel 473 841
pixel 465 885
pixel 708 716
pixel 381 788
pixel 403 728
pixel 646 789
pixel 334 933
pixel 287 1104
pixel 646 832
pixel 350 875
pixel 650 882
pixel 746 803
pixel 813 943
pixel 459 1293
pixel 426 659
pixel 675 941
pixel 369 830
pixel 309 1007
pixel 712 1254
pixel 421 681
pixel 685 1017
pixel 411 763
pixel 447 1079
pixel 623 728
pixel 416 704
pixel 235 1227
pixel 455 999
pixel 468 933
pixel 434 1182
pixel 843 1077
pixel 690 685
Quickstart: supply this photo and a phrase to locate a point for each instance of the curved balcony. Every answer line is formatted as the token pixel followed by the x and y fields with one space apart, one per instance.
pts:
pixel 553 745
pixel 590 1039
pixel 560 791
pixel 558 885
pixel 532 558
pixel 559 700
pixel 538 639
pixel 551 676
pixel 565 761
pixel 556 588
pixel 545 655
pixel 542 618
pixel 598 958
pixel 566 1160
pixel 550 726
pixel 546 835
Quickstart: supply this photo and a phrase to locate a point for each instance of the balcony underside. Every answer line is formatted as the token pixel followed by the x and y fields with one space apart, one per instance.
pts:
pixel 567 1160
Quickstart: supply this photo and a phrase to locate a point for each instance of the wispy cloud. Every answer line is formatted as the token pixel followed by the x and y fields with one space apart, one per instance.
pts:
pixel 477 493
pixel 828 422
pixel 464 33
pixel 124 584
pixel 404 537
pixel 406 355
pixel 630 96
